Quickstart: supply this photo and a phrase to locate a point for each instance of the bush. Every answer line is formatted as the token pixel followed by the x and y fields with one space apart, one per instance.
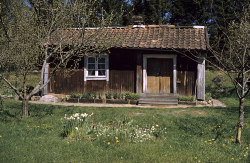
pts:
pixel 118 96
pixel 131 96
pixel 186 98
pixel 208 96
pixel 29 89
pixel 76 95
pixel 108 95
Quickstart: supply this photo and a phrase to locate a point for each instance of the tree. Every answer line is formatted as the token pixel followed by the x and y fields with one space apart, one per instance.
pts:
pixel 27 32
pixel 234 59
pixel 121 10
pixel 153 11
pixel 190 12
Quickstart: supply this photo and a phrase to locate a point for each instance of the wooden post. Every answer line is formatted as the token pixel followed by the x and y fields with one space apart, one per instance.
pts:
pixel 139 73
pixel 201 78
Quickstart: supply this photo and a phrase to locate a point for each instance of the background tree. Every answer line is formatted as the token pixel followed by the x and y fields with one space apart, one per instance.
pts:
pixel 234 59
pixel 27 31
pixel 153 11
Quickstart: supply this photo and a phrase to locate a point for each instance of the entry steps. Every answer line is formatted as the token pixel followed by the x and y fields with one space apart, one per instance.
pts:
pixel 158 99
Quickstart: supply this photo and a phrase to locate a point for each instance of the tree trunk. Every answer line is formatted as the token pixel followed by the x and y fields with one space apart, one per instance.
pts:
pixel 25 108
pixel 241 118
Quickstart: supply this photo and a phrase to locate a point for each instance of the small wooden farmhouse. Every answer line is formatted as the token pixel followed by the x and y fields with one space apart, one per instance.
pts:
pixel 146 59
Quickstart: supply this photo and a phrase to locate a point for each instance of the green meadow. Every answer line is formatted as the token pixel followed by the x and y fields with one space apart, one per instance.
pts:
pixel 203 134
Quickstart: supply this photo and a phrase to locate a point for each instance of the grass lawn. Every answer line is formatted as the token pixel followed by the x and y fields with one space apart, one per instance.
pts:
pixel 185 135
pixel 174 135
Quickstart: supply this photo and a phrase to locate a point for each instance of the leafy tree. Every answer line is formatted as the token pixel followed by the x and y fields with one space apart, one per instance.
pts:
pixel 121 9
pixel 26 42
pixel 153 11
pixel 190 12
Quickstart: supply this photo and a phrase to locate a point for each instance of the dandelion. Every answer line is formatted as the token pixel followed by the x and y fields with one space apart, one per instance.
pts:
pixel 117 141
pixel 116 138
pixel 108 143
pixel 247 148
pixel 223 145
pixel 245 155
pixel 199 160
pixel 196 158
pixel 205 141
pixel 209 140
pixel 0 136
pixel 232 158
pixel 210 143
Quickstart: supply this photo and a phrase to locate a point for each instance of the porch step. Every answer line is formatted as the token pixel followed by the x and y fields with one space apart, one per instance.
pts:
pixel 158 99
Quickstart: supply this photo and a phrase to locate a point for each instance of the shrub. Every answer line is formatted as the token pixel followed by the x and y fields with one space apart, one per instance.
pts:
pixel 131 96
pixel 208 96
pixel 76 95
pixel 108 95
pixel 118 96
pixel 186 98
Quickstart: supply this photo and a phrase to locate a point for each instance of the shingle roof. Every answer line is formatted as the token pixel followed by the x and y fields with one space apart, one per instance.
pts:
pixel 150 37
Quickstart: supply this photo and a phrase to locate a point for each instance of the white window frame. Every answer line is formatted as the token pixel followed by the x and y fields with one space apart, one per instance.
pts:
pixel 96 76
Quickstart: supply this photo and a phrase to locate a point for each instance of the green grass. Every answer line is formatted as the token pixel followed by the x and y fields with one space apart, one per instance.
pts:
pixel 189 131
pixel 32 79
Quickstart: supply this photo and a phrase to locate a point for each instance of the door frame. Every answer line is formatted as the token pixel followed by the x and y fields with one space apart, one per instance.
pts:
pixel 146 56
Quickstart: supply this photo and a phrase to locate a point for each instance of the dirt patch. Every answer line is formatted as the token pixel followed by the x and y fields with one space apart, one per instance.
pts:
pixel 191 112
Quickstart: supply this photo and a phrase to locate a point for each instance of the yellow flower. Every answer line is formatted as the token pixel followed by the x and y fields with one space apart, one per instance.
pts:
pixel 117 141
pixel 210 143
pixel 247 148
pixel 0 136
pixel 196 158
pixel 245 155
pixel 209 140
pixel 232 158
pixel 199 160
pixel 223 145
pixel 108 143
pixel 116 138
pixel 205 141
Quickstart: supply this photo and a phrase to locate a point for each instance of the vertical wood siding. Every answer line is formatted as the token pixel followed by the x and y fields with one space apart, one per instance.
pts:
pixel 187 81
pixel 122 80
pixel 186 76
pixel 67 83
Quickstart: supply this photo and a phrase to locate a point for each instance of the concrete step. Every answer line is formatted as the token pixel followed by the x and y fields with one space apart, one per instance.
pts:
pixel 158 99
pixel 158 103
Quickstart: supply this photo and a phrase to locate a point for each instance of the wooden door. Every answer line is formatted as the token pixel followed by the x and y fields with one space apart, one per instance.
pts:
pixel 159 75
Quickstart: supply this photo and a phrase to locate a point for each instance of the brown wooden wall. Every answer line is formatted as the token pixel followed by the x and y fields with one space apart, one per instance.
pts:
pixel 186 76
pixel 121 78
pixel 125 74
pixel 67 83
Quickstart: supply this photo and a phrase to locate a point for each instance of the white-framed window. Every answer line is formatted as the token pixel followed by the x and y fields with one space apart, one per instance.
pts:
pixel 96 68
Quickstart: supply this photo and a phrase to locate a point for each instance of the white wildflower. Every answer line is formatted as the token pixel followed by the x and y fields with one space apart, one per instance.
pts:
pixel 76 115
pixel 76 128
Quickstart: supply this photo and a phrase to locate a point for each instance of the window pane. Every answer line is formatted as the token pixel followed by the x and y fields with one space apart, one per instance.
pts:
pixel 101 60
pixel 101 66
pixel 91 60
pixel 91 66
pixel 101 72
pixel 91 73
